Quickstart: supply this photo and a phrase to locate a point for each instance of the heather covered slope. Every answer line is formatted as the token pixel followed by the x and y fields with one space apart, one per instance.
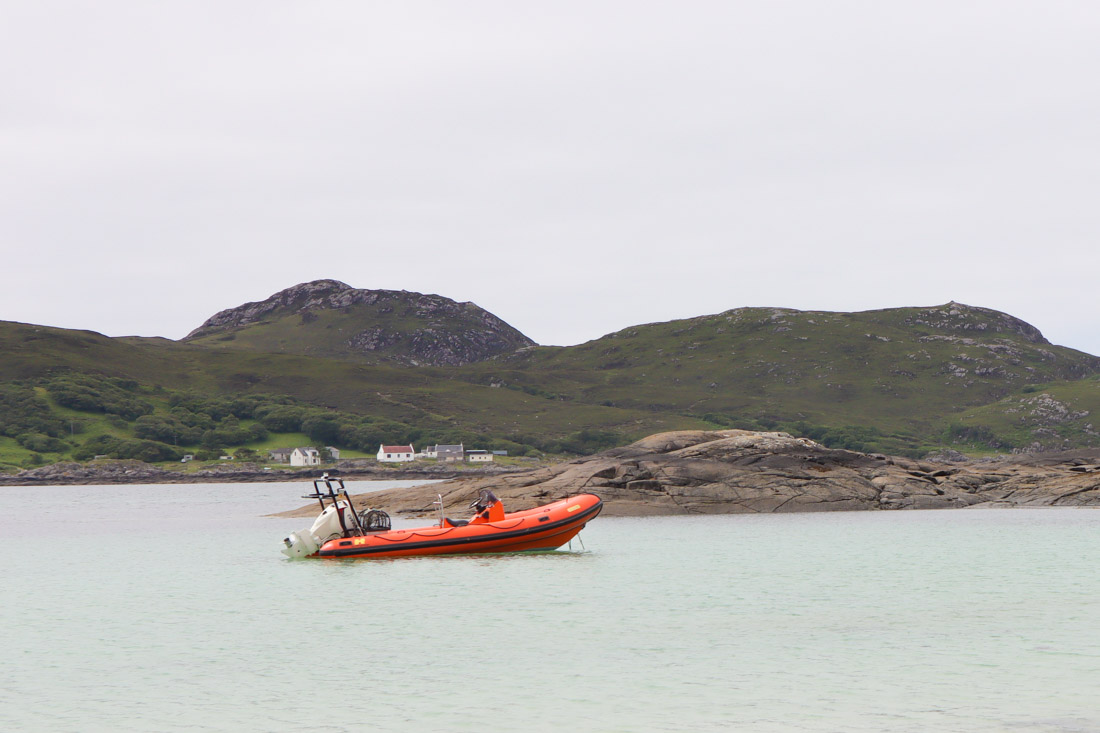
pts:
pixel 894 376
pixel 332 319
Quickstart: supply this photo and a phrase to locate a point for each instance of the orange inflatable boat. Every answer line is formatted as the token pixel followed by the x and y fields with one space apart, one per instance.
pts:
pixel 340 532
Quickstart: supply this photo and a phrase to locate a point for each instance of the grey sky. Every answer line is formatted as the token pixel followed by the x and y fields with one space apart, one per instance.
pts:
pixel 574 167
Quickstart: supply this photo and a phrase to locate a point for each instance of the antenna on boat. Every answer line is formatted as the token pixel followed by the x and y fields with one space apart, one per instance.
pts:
pixel 439 501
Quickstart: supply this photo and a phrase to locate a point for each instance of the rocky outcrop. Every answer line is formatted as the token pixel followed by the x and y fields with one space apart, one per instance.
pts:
pixel 738 471
pixel 302 298
pixel 106 472
pixel 960 318
pixel 410 328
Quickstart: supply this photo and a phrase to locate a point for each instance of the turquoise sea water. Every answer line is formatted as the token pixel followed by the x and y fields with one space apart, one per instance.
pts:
pixel 149 608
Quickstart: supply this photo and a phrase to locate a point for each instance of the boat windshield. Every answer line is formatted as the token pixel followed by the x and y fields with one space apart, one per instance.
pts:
pixel 485 499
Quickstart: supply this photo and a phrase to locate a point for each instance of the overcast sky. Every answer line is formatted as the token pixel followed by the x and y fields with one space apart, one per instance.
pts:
pixel 573 167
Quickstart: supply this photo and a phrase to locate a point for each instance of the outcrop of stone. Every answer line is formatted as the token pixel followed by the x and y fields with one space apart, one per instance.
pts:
pixel 961 318
pixel 448 333
pixel 301 298
pixel 738 471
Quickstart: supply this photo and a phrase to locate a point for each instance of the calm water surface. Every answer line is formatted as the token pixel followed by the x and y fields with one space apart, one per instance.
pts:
pixel 150 608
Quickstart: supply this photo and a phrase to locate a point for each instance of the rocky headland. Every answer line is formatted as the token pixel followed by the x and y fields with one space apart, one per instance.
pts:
pixel 738 471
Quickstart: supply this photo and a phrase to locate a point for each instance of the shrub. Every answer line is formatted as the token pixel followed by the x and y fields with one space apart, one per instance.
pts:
pixel 40 443
pixel 977 434
pixel 166 430
pixel 193 419
pixel 322 428
pixel 90 393
pixel 22 411
pixel 142 450
pixel 283 419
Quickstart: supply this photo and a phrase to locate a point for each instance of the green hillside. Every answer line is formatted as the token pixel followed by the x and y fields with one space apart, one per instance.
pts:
pixel 902 372
pixel 122 382
pixel 1051 416
pixel 909 380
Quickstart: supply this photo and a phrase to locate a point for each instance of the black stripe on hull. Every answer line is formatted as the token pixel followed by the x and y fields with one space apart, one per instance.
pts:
pixel 532 533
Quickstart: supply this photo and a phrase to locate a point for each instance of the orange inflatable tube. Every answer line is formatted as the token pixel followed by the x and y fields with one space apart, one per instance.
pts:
pixel 543 528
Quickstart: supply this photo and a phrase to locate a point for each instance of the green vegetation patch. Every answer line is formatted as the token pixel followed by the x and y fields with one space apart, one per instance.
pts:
pixel 88 393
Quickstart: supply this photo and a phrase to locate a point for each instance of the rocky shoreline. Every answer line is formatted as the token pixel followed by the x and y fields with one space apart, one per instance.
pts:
pixel 136 472
pixel 738 471
pixel 684 472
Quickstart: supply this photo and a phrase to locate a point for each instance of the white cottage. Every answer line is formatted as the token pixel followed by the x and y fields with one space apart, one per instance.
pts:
pixel 395 453
pixel 479 456
pixel 305 457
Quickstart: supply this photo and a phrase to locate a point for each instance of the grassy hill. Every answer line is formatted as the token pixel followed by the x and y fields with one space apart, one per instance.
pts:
pixel 908 380
pixel 351 404
pixel 903 372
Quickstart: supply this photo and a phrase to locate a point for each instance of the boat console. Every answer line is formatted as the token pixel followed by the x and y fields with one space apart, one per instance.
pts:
pixel 487 508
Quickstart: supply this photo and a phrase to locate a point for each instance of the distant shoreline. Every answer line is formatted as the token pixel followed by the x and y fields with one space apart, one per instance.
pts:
pixel 135 472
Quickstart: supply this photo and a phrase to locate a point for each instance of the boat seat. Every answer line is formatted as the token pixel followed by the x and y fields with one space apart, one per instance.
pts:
pixel 448 522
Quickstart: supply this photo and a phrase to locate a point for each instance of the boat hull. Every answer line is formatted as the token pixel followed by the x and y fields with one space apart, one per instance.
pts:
pixel 543 528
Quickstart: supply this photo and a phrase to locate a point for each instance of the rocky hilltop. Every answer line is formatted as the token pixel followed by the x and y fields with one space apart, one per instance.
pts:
pixel 739 471
pixel 331 318
pixel 961 318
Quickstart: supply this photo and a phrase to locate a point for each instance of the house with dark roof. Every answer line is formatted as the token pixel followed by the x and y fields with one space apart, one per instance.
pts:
pixel 280 455
pixel 450 453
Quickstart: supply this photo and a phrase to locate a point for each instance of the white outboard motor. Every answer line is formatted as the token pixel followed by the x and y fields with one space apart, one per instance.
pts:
pixel 299 544
pixel 305 542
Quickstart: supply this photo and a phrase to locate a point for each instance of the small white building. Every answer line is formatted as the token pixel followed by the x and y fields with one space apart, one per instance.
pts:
pixel 395 453
pixel 479 456
pixel 428 452
pixel 188 458
pixel 333 451
pixel 305 457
